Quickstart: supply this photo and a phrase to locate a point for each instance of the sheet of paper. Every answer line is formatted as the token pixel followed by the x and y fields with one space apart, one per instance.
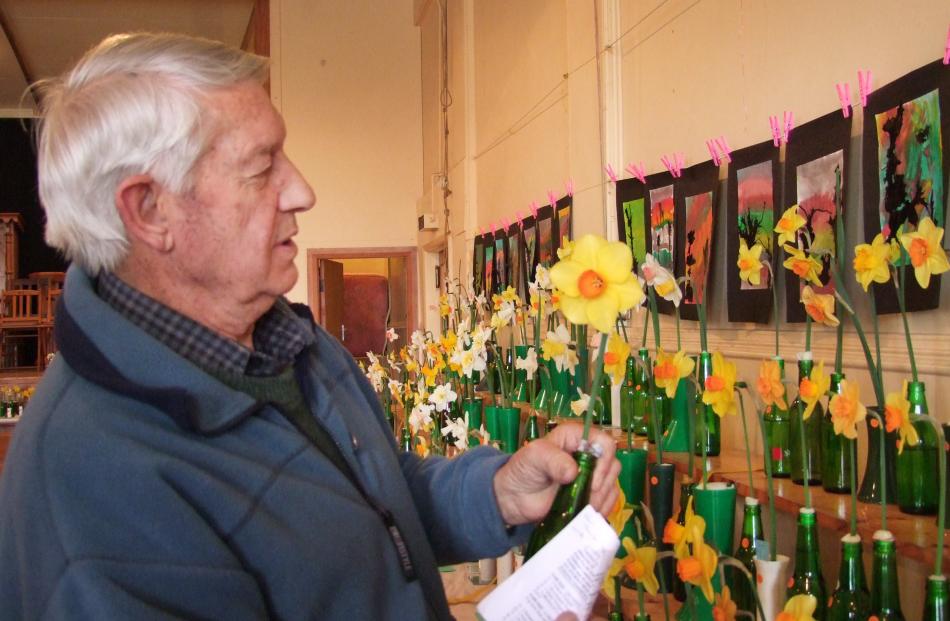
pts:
pixel 564 576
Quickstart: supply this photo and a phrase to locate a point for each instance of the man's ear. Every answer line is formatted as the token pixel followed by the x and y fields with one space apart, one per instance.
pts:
pixel 137 200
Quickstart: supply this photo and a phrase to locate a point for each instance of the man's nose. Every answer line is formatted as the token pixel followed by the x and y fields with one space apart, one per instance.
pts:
pixel 296 195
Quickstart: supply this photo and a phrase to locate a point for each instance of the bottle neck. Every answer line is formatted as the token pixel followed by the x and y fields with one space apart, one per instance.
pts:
pixel 885 593
pixel 704 367
pixel 835 386
pixel 917 397
pixel 752 522
pixel 806 545
pixel 851 573
pixel 804 369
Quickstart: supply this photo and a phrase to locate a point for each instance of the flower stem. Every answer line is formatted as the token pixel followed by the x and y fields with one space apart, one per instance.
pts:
pixel 901 293
pixel 883 458
pixel 656 319
pixel 854 486
pixel 877 339
pixel 679 342
pixel 842 294
pixel 942 502
pixel 701 313
pixel 806 466
pixel 775 314
pixel 641 600
pixel 598 375
pixel 773 534
pixel 646 323
pixel 748 449
pixel 654 415
pixel 807 332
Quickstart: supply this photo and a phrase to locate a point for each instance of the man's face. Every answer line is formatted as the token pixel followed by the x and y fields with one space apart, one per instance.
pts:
pixel 233 232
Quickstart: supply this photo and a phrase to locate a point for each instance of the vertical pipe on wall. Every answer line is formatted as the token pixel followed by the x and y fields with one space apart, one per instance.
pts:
pixel 609 101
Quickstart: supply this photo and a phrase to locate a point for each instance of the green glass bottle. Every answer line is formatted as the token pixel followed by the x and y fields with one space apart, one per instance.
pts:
pixel 662 407
pixel 602 408
pixel 885 595
pixel 835 450
pixel 532 430
pixel 686 492
pixel 937 600
pixel 807 578
pixel 917 485
pixel 641 402
pixel 405 442
pixel 745 553
pixel 778 435
pixel 568 502
pixel 628 395
pixel 706 423
pixel 812 426
pixel 851 600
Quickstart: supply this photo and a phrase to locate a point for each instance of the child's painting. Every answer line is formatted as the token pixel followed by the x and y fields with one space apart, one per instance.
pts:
pixel 752 204
pixel 634 223
pixel 905 169
pixel 756 221
pixel 530 245
pixel 516 260
pixel 501 263
pixel 819 185
pixel 489 268
pixel 699 228
pixel 564 224
pixel 816 169
pixel 910 164
pixel 478 269
pixel 661 225
pixel 545 236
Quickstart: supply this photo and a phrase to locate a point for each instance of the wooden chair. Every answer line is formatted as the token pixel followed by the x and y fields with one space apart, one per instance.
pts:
pixel 47 344
pixel 19 322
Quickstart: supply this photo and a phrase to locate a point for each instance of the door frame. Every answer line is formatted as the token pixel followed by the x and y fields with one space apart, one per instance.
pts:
pixel 407 252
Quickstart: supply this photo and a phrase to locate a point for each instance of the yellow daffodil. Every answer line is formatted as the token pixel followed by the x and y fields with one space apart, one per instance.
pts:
pixel 805 266
pixel 620 512
pixel 693 530
pixel 444 309
pixel 429 373
pixel 769 384
pixel 871 262
pixel 422 447
pixel 719 390
pixel 448 341
pixel 670 369
pixel 607 586
pixel 820 306
pixel 615 358
pixel 750 263
pixel 926 252
pixel 510 295
pixel 799 608
pixel 788 225
pixel 638 563
pixel 897 418
pixel 566 250
pixel 846 409
pixel 724 608
pixel 813 388
pixel 698 568
pixel 596 282
pixel 640 566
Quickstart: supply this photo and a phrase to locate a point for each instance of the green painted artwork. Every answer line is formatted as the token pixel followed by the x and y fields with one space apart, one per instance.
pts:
pixel 634 226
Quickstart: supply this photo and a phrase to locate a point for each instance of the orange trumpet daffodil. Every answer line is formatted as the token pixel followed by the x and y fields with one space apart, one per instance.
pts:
pixel 846 409
pixel 769 384
pixel 926 252
pixel 813 388
pixel 820 306
pixel 805 266
pixel 897 418
pixel 670 369
pixel 750 263
pixel 719 390
pixel 871 262
pixel 788 225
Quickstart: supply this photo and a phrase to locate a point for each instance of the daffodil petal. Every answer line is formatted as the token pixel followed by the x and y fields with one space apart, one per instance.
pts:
pixel 575 309
pixel 602 312
pixel 586 250
pixel 614 262
pixel 565 275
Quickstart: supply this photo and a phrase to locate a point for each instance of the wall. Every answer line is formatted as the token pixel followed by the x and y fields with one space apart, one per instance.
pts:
pixel 670 74
pixel 346 76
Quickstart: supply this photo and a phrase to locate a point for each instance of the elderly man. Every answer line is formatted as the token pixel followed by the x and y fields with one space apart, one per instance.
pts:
pixel 199 449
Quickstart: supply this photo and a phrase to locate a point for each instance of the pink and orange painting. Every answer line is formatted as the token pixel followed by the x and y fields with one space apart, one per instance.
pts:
pixel 756 219
pixel 699 226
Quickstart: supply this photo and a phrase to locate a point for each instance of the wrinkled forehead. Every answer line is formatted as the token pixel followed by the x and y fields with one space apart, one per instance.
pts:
pixel 241 122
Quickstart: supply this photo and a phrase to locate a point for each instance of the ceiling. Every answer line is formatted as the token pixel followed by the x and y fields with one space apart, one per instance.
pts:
pixel 41 38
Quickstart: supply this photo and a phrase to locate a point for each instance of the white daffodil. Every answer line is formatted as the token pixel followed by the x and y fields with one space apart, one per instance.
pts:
pixel 472 361
pixel 650 268
pixel 391 335
pixel 373 358
pixel 556 347
pixel 580 405
pixel 442 396
pixel 418 341
pixel 480 337
pixel 529 363
pixel 542 278
pixel 395 387
pixel 420 417
pixel 462 336
pixel 458 427
pixel 666 287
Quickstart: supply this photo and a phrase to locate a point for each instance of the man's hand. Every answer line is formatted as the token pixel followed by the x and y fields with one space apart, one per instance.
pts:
pixel 525 486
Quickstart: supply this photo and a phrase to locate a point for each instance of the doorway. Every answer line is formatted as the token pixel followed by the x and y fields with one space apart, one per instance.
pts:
pixel 357 294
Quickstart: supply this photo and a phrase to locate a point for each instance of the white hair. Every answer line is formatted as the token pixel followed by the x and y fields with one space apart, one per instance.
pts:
pixel 133 104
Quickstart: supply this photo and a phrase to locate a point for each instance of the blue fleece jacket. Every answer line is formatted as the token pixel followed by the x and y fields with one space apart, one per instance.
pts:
pixel 138 487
